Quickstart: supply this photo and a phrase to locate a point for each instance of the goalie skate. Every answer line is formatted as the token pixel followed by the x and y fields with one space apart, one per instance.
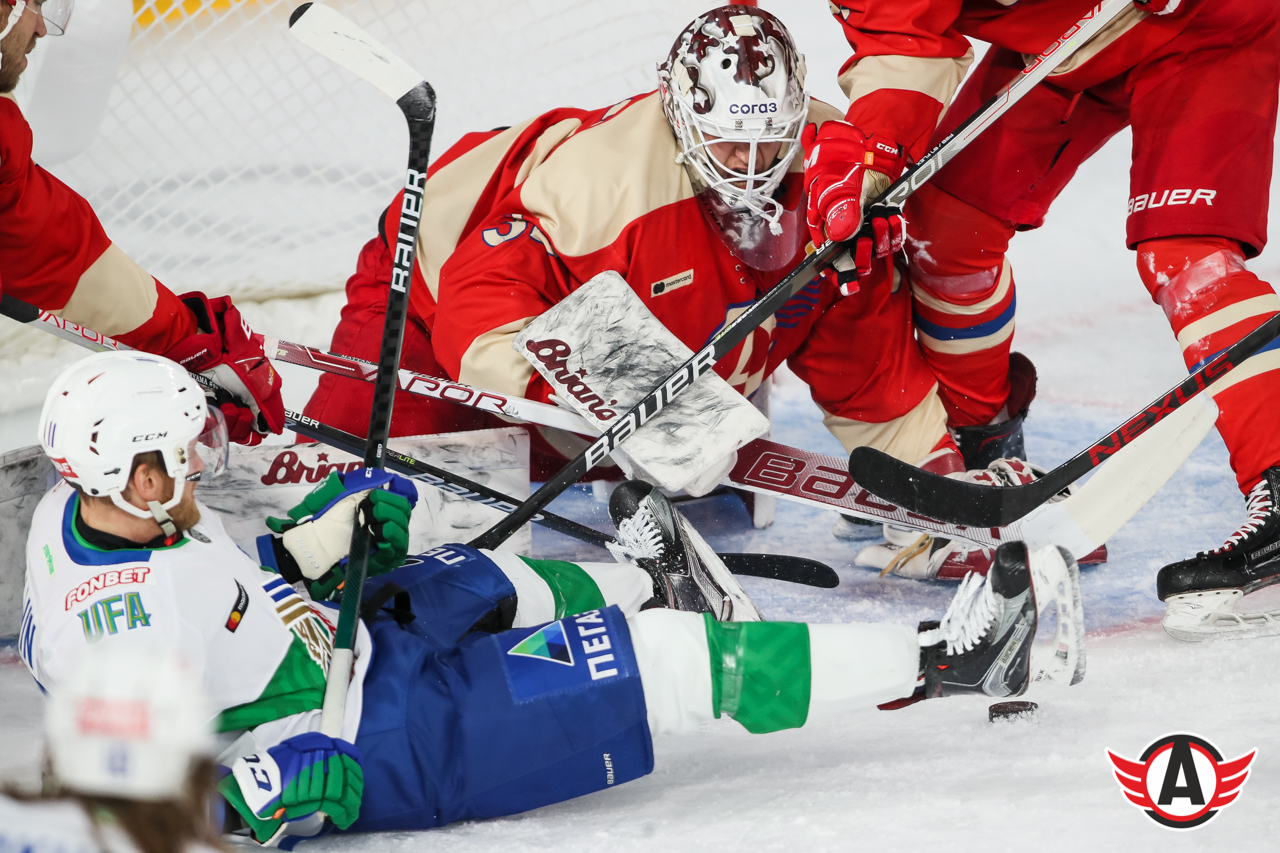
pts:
pixel 687 573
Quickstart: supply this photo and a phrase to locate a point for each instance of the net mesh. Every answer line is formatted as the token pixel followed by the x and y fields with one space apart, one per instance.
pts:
pixel 232 159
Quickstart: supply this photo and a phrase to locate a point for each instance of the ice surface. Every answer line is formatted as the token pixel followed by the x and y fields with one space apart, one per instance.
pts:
pixel 936 774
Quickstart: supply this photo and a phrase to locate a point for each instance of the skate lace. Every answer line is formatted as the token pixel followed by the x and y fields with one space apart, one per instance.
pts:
pixel 639 538
pixel 968 617
pixel 1257 510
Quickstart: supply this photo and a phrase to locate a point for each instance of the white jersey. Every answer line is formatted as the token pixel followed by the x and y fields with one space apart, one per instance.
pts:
pixel 61 826
pixel 260 648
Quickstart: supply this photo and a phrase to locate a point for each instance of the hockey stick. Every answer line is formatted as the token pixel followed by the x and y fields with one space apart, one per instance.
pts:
pixel 333 36
pixel 782 567
pixel 737 331
pixel 1081 522
pixel 996 506
pixel 799 570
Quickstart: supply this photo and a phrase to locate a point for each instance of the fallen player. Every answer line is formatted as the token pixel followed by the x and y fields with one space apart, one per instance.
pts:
pixel 485 684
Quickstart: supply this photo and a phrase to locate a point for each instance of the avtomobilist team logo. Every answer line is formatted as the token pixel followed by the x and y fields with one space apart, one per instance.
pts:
pixel 1181 780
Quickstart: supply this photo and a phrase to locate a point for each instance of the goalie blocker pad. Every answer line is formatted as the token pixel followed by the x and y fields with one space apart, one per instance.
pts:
pixel 603 351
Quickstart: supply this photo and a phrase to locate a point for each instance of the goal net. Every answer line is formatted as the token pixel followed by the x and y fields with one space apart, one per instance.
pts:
pixel 232 159
pixel 224 156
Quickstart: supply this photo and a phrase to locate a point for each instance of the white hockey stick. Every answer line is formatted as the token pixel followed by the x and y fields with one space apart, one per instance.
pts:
pixel 1122 485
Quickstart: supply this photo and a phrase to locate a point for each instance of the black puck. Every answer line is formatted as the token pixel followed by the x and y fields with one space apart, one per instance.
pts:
pixel 1012 711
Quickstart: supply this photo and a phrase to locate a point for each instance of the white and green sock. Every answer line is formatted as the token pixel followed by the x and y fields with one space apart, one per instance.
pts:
pixel 766 675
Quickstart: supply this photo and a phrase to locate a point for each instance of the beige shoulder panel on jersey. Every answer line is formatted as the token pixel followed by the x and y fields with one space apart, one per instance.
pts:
pixel 606 177
pixel 936 77
pixel 113 296
pixel 910 438
pixel 450 196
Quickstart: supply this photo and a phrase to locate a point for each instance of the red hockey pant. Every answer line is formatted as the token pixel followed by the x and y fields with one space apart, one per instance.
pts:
pixel 1203 112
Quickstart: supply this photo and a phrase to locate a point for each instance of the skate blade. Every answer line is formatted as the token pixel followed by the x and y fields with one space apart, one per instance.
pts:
pixel 1198 616
pixel 736 605
pixel 1055 578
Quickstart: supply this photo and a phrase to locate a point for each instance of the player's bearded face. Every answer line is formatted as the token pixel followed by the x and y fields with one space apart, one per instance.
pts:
pixel 15 47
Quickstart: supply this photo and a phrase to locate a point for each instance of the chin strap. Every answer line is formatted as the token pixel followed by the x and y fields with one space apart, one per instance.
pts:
pixel 162 518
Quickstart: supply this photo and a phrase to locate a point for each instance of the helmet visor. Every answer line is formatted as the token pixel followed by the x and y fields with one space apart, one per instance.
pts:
pixel 212 446
pixel 56 14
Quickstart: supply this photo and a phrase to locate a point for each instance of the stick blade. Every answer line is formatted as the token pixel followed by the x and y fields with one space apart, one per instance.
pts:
pixel 781 567
pixel 332 35
pixel 938 497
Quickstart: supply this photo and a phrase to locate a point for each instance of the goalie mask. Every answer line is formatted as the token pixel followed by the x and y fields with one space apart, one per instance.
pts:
pixel 106 409
pixel 735 76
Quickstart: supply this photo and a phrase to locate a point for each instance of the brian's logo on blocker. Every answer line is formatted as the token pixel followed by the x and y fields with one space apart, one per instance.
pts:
pixel 1181 781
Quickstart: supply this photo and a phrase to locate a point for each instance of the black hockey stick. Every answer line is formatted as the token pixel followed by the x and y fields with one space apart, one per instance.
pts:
pixel 782 567
pixel 333 36
pixel 799 570
pixel 971 504
pixel 737 331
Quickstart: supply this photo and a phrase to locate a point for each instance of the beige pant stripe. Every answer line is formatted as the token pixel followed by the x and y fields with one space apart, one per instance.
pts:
pixel 1263 362
pixel 1268 303
pixel 928 300
pixel 966 345
pixel 909 438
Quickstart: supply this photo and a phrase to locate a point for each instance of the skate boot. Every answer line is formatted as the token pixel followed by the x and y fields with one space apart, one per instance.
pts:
pixel 1202 592
pixel 913 554
pixel 983 644
pixel 986 641
pixel 687 574
pixel 1002 439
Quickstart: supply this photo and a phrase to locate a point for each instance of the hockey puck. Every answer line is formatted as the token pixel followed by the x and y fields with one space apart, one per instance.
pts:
pixel 1012 711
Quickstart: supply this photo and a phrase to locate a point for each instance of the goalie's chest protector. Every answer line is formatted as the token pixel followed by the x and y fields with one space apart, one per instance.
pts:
pixel 262 649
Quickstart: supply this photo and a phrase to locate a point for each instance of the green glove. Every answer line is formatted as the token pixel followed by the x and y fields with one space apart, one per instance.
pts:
pixel 317 532
pixel 293 780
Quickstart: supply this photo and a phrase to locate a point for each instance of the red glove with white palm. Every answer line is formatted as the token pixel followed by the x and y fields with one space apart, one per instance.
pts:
pixel 843 168
pixel 227 351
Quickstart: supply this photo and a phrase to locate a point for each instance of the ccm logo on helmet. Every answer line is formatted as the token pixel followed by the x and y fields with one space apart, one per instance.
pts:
pixel 753 109
pixel 151 436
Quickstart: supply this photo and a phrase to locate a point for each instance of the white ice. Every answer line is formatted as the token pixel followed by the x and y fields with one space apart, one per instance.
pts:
pixel 935 775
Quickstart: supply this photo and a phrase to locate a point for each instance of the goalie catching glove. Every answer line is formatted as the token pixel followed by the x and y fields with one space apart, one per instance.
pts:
pixel 315 539
pixel 293 780
pixel 227 351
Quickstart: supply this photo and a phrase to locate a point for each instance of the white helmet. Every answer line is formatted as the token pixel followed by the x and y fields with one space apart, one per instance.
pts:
pixel 734 73
pixel 127 723
pixel 104 410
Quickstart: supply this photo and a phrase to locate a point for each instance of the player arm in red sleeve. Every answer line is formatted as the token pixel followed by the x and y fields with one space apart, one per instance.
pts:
pixel 907 62
pixel 55 255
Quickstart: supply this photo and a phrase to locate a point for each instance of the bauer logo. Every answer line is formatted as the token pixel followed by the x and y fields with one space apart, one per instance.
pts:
pixel 1181 780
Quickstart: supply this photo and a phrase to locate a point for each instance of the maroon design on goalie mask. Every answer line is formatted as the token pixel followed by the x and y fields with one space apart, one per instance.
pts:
pixel 716 29
pixel 554 355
